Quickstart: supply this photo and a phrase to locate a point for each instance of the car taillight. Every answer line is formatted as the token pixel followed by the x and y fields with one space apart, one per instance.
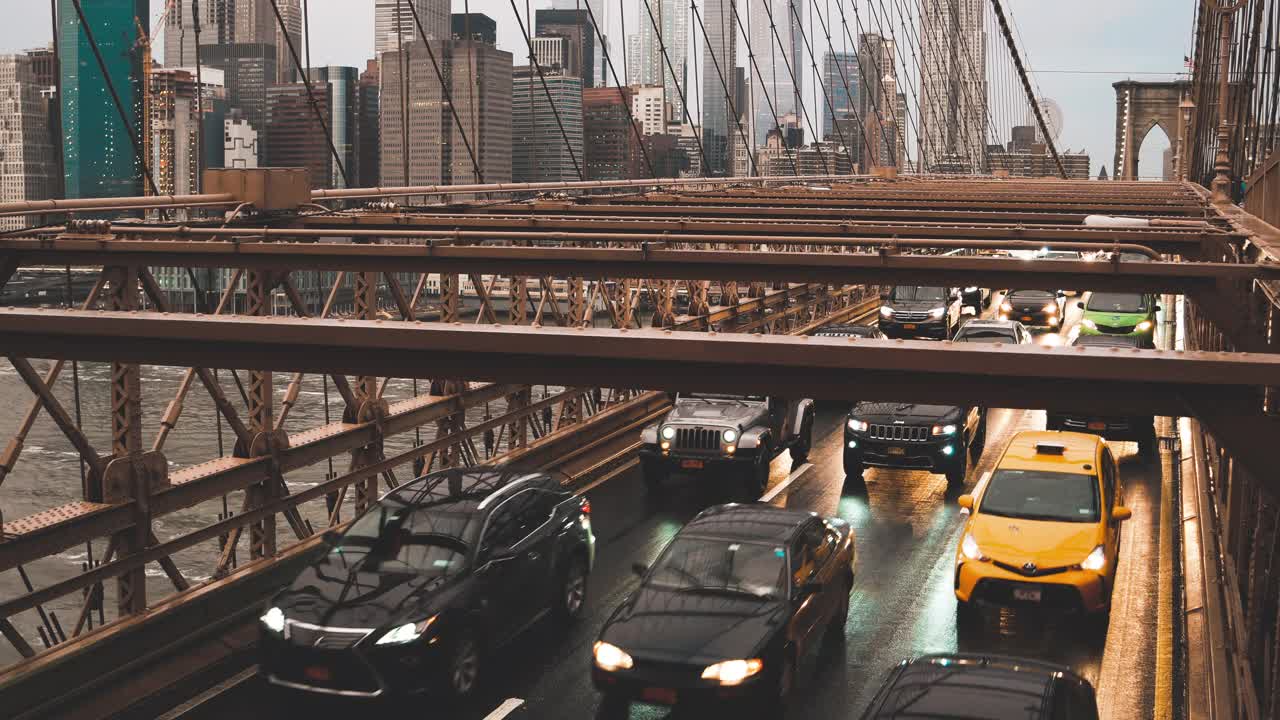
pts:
pixel 586 506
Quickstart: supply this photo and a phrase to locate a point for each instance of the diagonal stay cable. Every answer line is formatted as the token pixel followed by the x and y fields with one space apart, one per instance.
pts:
pixel 813 63
pixel 684 103
pixel 795 83
pixel 751 57
pixel 844 77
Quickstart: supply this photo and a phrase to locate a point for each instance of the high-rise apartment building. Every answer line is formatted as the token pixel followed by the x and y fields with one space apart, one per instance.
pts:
pixel 841 78
pixel 480 80
pixel 395 17
pixel 776 44
pixel 544 153
pixel 175 131
pixel 647 106
pixel 583 48
pixel 249 69
pixel 293 135
pixel 953 86
pixel 612 145
pixel 28 160
pixel 223 22
pixel 368 139
pixel 99 158
pixel 720 119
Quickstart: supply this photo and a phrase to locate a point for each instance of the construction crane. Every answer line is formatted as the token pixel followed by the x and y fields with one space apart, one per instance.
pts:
pixel 143 45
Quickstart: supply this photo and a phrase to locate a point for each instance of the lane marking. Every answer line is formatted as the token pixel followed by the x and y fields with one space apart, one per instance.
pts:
pixel 507 707
pixel 192 706
pixel 794 476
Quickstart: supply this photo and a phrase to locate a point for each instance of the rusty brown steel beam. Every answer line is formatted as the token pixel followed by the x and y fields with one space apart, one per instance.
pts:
pixel 1075 379
pixel 39 207
pixel 1037 205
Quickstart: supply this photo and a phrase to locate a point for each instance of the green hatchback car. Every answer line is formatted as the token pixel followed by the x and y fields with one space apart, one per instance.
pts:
pixel 1122 314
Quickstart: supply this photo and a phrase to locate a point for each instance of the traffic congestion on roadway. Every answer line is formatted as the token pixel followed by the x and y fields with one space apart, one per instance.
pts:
pixel 766 557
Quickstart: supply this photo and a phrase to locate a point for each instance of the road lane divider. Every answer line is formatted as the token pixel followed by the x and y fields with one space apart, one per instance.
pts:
pixel 794 476
pixel 507 707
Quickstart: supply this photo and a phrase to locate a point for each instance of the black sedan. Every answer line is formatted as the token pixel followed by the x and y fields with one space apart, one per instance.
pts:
pixel 736 606
pixel 423 585
pixel 1040 308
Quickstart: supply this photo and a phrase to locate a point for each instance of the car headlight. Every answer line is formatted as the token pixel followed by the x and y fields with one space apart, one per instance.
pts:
pixel 971 289
pixel 733 672
pixel 1089 324
pixel 730 435
pixel 969 548
pixel 1006 307
pixel 1051 308
pixel 944 429
pixel 858 425
pixel 273 620
pixel 1096 560
pixel 937 313
pixel 407 632
pixel 886 311
pixel 668 432
pixel 1143 326
pixel 611 657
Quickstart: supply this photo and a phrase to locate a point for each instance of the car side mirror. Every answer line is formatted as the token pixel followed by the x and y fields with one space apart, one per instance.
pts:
pixel 1120 513
pixel 640 569
pixel 965 501
pixel 1080 304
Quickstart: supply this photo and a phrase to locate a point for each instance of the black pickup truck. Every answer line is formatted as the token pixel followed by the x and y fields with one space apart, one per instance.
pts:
pixel 916 437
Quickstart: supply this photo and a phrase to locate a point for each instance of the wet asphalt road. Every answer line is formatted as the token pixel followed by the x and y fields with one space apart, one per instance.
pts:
pixel 907 526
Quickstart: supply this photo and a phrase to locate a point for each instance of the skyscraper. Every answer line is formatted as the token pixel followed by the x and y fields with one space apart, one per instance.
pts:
pixel 249 68
pixel 611 145
pixel 774 49
pixel 878 102
pixel 368 140
pixel 575 25
pixel 217 26
pixel 413 117
pixel 293 135
pixel 99 158
pixel 342 119
pixel 646 106
pixel 672 17
pixel 599 10
pixel 840 76
pixel 480 80
pixel 28 164
pixel 223 22
pixel 542 155
pixel 953 86
pixel 720 52
pixel 395 16
pixel 175 131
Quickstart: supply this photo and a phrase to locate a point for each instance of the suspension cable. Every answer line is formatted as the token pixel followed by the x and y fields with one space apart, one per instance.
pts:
pixel 751 57
pixel 844 79
pixel 795 83
pixel 1026 86
pixel 813 62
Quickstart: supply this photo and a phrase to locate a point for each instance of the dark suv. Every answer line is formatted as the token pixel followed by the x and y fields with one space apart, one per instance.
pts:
pixel 915 437
pixel 915 311
pixel 978 687
pixel 1136 428
pixel 715 430
pixel 428 583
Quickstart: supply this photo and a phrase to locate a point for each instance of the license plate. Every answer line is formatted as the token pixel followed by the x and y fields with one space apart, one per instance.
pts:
pixel 1026 318
pixel 1097 426
pixel 1027 594
pixel 318 672
pixel 897 451
pixel 664 696
pixel 691 464
pixel 909 326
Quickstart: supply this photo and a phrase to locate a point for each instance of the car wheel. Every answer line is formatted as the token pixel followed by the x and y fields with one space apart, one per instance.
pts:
pixel 613 707
pixel 463 668
pixel 572 598
pixel 979 437
pixel 760 470
pixel 800 451
pixel 655 475
pixel 853 467
pixel 956 474
pixel 1149 446
pixel 834 634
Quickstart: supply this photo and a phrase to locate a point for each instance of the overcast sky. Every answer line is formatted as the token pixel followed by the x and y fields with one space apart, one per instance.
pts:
pixel 1075 48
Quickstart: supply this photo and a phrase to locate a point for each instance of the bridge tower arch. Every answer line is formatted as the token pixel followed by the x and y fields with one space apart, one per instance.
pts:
pixel 1141 106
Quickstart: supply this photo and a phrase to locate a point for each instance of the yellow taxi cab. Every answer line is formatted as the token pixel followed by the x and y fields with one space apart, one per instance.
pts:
pixel 1044 530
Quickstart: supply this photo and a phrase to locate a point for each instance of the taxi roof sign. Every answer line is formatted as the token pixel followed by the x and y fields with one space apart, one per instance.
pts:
pixel 1050 448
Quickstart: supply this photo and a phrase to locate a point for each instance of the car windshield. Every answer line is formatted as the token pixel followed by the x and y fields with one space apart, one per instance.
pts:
pixel 405 538
pixel 725 396
pixel 1118 302
pixel 994 337
pixel 918 292
pixel 1037 295
pixel 712 565
pixel 1041 495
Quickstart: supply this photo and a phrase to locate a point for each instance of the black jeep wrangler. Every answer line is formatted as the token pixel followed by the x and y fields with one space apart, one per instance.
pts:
pixel 705 431
pixel 916 437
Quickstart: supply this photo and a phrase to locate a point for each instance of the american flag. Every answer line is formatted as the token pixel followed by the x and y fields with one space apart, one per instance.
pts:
pixel 1187 61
